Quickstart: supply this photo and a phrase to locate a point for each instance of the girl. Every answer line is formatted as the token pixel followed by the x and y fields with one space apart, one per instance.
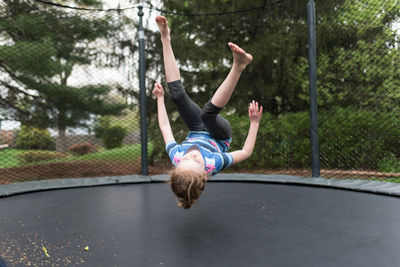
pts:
pixel 205 150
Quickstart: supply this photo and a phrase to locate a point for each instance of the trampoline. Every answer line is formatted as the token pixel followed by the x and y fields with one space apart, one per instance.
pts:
pixel 236 223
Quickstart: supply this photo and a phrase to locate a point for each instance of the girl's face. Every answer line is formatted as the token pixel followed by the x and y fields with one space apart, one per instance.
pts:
pixel 192 161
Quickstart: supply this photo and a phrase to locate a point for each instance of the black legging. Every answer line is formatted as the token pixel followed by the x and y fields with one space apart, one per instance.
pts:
pixel 197 119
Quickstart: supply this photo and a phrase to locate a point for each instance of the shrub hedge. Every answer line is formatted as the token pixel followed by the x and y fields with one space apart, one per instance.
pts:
pixel 33 138
pixel 82 149
pixel 349 138
pixel 112 136
pixel 32 156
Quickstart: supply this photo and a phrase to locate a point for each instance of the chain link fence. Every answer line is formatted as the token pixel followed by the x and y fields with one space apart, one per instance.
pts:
pixel 69 86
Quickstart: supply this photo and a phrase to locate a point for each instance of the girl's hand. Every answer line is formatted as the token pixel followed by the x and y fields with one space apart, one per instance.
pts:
pixel 255 113
pixel 158 90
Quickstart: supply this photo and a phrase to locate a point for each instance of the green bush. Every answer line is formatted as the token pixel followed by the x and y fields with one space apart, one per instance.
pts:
pixel 349 138
pixel 101 125
pixel 82 149
pixel 32 156
pixel 390 163
pixel 33 138
pixel 112 136
pixel 282 142
pixel 357 139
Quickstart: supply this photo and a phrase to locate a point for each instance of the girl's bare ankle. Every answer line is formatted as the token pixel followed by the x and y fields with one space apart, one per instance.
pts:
pixel 239 66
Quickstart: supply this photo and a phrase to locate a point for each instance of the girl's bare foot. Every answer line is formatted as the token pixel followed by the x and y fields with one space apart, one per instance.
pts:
pixel 240 58
pixel 163 27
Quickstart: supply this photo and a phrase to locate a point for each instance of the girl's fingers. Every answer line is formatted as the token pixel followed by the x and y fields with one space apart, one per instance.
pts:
pixel 157 86
pixel 254 106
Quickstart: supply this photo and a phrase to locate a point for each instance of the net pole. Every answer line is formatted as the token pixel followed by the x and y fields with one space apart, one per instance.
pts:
pixel 142 86
pixel 312 75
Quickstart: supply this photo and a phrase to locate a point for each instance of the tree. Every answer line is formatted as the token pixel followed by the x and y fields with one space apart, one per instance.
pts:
pixel 359 56
pixel 275 32
pixel 43 46
pixel 356 43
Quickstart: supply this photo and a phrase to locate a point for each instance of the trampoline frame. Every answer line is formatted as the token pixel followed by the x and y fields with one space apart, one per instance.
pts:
pixel 377 187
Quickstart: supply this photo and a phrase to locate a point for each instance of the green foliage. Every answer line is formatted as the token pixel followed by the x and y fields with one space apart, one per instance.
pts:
pixel 112 136
pixel 275 34
pixel 130 120
pixel 101 125
pixel 358 56
pixel 88 2
pixel 82 149
pixel 357 53
pixel 358 77
pixel 282 141
pixel 33 57
pixel 40 49
pixel 34 156
pixel 358 69
pixel 33 138
pixel 358 139
pixel 9 157
pixel 349 139
pixel 128 153
pixel 390 163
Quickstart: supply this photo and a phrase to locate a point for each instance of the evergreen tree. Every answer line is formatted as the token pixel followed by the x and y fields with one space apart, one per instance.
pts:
pixel 358 60
pixel 41 46
pixel 353 36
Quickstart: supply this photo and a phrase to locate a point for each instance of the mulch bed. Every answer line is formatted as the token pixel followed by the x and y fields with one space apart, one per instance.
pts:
pixel 80 169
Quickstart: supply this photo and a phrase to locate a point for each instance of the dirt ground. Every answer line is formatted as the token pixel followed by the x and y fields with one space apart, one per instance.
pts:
pixel 80 169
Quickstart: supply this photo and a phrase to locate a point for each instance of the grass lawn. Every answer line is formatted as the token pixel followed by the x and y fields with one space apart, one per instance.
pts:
pixel 394 180
pixel 9 157
pixel 125 153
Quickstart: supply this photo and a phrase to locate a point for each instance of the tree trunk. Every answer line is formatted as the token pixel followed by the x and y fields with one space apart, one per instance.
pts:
pixel 61 144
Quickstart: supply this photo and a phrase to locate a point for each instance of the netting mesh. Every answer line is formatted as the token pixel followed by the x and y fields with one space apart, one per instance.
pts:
pixel 69 86
pixel 358 85
pixel 68 83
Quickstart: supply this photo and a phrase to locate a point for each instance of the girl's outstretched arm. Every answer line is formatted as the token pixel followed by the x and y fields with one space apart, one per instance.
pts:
pixel 255 114
pixel 163 121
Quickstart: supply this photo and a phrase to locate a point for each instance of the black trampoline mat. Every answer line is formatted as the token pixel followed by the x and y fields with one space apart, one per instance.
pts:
pixel 234 224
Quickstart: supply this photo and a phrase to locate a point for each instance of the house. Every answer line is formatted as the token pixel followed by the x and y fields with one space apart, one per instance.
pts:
pixel 7 137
